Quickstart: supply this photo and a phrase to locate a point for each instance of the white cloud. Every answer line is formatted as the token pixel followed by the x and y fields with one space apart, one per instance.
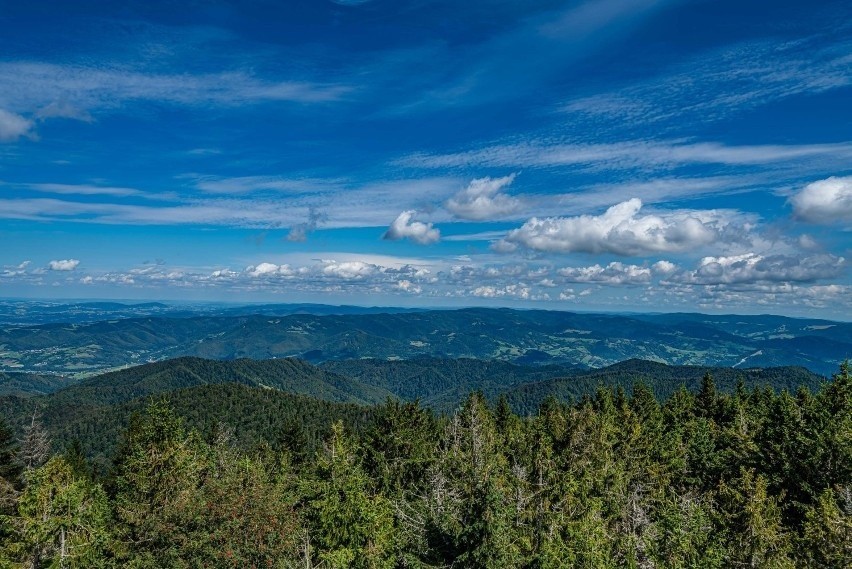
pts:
pixel 268 270
pixel 369 205
pixel 753 268
pixel 248 184
pixel 13 126
pixel 57 110
pixel 404 227
pixel 807 242
pixel 613 274
pixel 83 88
pixel 664 267
pixel 84 190
pixel 12 271
pixel 716 83
pixel 632 154
pixel 620 230
pixel 825 201
pixel 482 199
pixel 63 265
pixel 349 269
pixel 407 286
pixel 521 292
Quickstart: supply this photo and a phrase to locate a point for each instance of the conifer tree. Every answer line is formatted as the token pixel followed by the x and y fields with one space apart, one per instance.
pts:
pixel 35 446
pixel 751 517
pixel 351 526
pixel 827 537
pixel 156 483
pixel 10 470
pixel 63 520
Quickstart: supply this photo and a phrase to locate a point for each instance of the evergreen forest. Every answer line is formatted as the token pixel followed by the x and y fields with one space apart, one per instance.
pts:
pixel 709 478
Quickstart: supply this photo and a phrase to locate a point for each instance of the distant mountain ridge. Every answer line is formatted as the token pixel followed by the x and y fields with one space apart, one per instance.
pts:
pixel 522 336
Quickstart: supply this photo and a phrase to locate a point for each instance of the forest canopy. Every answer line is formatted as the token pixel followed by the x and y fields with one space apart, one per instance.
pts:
pixel 750 478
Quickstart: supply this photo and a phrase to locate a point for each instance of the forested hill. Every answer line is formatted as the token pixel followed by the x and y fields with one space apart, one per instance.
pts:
pixel 524 337
pixel 252 415
pixel 24 383
pixel 661 379
pixel 234 392
pixel 444 383
pixel 215 479
pixel 287 374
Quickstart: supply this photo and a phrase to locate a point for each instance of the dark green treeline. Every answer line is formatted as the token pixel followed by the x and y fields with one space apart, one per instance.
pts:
pixel 748 479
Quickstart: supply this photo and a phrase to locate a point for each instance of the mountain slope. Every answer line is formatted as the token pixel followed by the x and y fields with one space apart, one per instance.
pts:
pixel 290 375
pixel 443 383
pixel 25 384
pixel 662 379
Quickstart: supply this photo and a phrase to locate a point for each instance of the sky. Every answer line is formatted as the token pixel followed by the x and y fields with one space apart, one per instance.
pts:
pixel 617 155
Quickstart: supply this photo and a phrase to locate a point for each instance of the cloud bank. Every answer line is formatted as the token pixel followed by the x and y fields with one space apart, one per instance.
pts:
pixel 621 230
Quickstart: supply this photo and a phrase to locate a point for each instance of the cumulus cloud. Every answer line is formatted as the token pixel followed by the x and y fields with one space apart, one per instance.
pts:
pixel 664 267
pixel 265 270
pixel 404 227
pixel 63 265
pixel 482 199
pixel 614 273
pixel 825 201
pixel 349 270
pixel 407 286
pixel 620 230
pixel 10 271
pixel 13 126
pixel 753 268
pixel 518 291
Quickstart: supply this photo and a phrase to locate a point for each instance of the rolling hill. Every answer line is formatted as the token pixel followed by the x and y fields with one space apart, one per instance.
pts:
pixel 268 399
pixel 524 337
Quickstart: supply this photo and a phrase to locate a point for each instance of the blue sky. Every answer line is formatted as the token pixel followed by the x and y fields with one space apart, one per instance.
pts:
pixel 626 155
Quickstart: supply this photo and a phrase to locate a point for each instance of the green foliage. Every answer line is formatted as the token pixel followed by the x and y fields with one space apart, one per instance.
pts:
pixel 827 537
pixel 10 468
pixel 63 521
pixel 752 518
pixel 231 475
pixel 352 526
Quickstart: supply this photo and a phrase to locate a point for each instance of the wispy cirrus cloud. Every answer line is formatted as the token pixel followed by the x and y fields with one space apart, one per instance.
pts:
pixel 718 83
pixel 249 184
pixel 85 190
pixel 255 201
pixel 633 154
pixel 74 90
